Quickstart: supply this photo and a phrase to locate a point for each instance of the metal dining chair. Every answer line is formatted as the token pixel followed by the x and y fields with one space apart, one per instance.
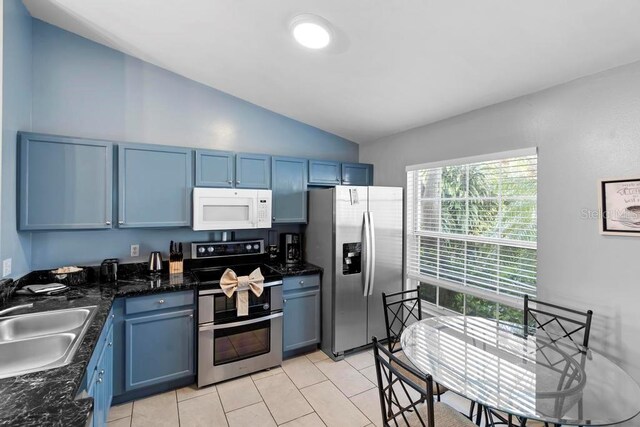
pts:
pixel 401 309
pixel 558 324
pixel 406 402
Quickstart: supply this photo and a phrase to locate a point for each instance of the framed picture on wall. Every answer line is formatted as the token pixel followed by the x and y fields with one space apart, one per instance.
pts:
pixel 620 207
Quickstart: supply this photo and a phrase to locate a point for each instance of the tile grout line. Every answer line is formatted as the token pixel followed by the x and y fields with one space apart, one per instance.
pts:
pixel 175 395
pixel 338 388
pixel 261 397
pixel 305 397
pixel 200 395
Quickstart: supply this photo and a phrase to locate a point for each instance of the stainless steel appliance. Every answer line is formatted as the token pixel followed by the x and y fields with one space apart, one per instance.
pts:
pixel 231 209
pixel 109 270
pixel 291 248
pixel 230 345
pixel 355 234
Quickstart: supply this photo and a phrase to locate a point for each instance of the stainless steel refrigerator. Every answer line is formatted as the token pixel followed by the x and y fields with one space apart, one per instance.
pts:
pixel 355 234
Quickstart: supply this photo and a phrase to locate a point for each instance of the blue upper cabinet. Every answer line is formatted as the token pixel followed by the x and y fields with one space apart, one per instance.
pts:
pixel 289 185
pixel 322 172
pixel 154 186
pixel 64 183
pixel 214 168
pixel 253 171
pixel 357 174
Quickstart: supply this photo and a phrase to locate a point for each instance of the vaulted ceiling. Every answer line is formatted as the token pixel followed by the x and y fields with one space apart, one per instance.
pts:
pixel 396 64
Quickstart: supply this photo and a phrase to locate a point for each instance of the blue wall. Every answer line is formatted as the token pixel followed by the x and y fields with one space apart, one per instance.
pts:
pixel 81 88
pixel 16 115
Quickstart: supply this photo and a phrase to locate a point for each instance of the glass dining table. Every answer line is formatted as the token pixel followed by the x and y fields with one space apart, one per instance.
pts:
pixel 526 374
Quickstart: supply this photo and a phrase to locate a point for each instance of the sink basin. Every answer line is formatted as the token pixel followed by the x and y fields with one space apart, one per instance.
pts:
pixel 17 357
pixel 39 341
pixel 46 323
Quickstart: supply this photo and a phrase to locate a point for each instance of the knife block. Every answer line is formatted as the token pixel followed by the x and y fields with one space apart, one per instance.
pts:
pixel 175 267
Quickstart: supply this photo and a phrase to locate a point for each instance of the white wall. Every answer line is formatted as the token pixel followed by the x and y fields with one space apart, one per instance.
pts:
pixel 585 131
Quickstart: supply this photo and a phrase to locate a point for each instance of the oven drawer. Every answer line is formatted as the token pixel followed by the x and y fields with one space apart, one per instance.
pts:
pixel 158 301
pixel 300 282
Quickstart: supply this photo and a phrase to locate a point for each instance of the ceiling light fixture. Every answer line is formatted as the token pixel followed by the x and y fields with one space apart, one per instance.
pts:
pixel 311 31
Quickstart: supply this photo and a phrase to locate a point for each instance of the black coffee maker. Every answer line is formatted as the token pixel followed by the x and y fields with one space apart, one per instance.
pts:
pixel 291 248
pixel 109 270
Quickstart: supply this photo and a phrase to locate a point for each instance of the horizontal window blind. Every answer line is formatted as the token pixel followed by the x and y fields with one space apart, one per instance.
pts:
pixel 474 224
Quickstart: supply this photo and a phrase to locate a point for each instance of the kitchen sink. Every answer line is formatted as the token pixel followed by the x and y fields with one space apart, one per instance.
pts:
pixel 37 324
pixel 39 341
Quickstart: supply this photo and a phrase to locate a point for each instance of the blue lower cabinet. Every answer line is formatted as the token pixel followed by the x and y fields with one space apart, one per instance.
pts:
pixel 159 348
pixel 301 314
pixel 289 189
pixel 100 375
pixel 357 174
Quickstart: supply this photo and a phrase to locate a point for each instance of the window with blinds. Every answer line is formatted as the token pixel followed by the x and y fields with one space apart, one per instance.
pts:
pixel 471 225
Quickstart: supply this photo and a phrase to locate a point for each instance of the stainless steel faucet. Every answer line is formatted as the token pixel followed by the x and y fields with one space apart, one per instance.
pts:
pixel 17 307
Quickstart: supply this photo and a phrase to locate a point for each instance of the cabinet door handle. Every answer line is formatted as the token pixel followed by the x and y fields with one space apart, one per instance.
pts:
pixel 229 182
pixel 120 222
pixel 302 282
pixel 99 380
pixel 274 218
pixel 191 316
pixel 108 222
pixel 237 182
pixel 102 372
pixel 285 301
pixel 161 301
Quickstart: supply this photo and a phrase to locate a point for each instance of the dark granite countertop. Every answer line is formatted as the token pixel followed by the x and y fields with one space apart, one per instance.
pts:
pixel 48 398
pixel 299 269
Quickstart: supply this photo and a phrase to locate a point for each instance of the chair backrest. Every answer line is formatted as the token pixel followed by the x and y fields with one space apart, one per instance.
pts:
pixel 400 310
pixel 557 321
pixel 400 397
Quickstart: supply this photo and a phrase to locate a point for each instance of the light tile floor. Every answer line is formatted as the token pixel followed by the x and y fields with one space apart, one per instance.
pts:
pixel 307 391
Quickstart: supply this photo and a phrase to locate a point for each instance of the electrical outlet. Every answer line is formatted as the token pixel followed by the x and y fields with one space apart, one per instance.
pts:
pixel 6 267
pixel 135 250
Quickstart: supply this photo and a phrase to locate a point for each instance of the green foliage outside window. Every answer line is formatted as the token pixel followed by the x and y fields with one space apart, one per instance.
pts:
pixel 494 200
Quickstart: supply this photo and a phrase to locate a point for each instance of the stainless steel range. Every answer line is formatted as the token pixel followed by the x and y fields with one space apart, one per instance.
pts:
pixel 230 345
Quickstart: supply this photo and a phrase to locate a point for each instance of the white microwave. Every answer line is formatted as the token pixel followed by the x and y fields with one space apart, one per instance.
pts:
pixel 231 209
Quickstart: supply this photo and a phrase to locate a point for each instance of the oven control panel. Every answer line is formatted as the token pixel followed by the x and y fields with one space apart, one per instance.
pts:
pixel 221 249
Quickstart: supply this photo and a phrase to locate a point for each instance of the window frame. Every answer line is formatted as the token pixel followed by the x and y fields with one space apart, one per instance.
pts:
pixel 411 281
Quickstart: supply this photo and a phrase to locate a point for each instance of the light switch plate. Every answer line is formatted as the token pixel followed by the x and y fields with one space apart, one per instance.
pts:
pixel 6 267
pixel 135 250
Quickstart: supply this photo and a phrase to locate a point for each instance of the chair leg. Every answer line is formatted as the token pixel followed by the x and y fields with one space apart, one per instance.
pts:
pixel 479 414
pixel 471 408
pixel 488 417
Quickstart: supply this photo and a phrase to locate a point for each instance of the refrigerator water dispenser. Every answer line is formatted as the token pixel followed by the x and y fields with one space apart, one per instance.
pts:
pixel 351 258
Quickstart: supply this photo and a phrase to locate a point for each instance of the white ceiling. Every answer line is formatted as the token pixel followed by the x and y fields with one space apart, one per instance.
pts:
pixel 397 64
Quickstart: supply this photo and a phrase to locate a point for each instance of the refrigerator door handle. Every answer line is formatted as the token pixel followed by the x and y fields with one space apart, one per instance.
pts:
pixel 366 240
pixel 372 254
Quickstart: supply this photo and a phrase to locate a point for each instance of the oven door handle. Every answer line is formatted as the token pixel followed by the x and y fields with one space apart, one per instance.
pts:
pixel 241 323
pixel 219 291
